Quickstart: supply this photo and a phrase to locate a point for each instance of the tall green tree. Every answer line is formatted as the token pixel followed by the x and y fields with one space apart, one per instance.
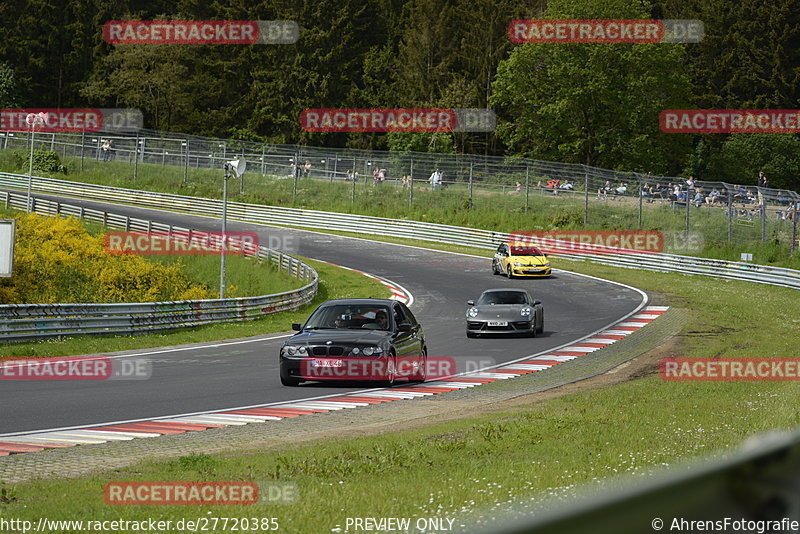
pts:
pixel 596 104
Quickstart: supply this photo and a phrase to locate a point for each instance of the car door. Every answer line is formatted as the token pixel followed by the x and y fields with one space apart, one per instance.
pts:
pixel 406 343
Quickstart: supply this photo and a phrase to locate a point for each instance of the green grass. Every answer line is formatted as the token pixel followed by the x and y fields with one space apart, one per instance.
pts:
pixel 334 283
pixel 494 207
pixel 531 452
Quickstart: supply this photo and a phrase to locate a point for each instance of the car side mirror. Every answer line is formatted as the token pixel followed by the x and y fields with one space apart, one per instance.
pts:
pixel 470 303
pixel 404 327
pixel 537 301
pixel 297 327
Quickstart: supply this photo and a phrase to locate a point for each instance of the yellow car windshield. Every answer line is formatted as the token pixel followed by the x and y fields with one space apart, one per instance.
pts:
pixel 526 251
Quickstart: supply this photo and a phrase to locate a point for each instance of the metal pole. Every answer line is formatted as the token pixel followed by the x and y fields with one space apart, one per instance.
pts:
pixel 640 200
pixel 730 215
pixel 136 157
pixel 335 163
pixel 585 196
pixel 30 171
pixel 263 159
pixel 687 213
pixel 763 219
pixel 527 186
pixel 794 225
pixel 83 140
pixel 411 184
pixel 295 171
pixel 355 179
pixel 222 240
pixel 241 178
pixel 186 164
pixel 470 185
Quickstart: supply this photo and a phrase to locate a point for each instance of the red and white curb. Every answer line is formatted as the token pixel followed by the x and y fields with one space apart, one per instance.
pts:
pixel 39 441
pixel 398 292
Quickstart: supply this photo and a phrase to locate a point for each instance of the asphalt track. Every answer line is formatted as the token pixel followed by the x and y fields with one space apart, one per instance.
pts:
pixel 221 376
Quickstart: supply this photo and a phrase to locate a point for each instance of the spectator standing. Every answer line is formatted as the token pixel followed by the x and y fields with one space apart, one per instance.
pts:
pixel 762 179
pixel 307 169
pixel 106 147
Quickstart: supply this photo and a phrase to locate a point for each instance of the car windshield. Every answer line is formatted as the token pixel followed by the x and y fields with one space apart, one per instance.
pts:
pixel 525 251
pixel 502 297
pixel 349 316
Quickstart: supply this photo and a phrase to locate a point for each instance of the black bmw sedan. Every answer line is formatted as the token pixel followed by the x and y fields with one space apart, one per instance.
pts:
pixel 355 340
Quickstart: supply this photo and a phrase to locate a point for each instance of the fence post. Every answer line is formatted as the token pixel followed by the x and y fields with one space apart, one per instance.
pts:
pixel 411 184
pixel 83 141
pixel 335 164
pixel 241 178
pixel 688 200
pixel 295 171
pixel 585 196
pixel 763 219
pixel 186 164
pixel 794 225
pixel 470 185
pixel 263 160
pixel 527 186
pixel 730 215
pixel 640 200
pixel 136 157
pixel 355 179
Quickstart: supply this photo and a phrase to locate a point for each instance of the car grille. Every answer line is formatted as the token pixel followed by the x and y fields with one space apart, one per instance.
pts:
pixel 327 350
pixel 513 325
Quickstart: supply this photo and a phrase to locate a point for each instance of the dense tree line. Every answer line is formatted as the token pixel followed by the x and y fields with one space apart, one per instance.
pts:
pixel 587 103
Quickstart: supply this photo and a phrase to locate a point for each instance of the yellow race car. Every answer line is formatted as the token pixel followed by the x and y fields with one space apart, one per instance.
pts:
pixel 520 260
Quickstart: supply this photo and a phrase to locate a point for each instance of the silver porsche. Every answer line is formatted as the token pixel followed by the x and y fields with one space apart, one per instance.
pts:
pixel 505 311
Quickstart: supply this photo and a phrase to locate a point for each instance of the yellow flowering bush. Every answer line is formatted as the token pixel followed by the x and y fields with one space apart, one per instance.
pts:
pixel 57 260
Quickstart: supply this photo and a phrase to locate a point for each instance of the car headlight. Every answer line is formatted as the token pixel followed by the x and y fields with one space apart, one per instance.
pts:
pixel 525 312
pixel 366 351
pixel 547 264
pixel 472 312
pixel 518 264
pixel 296 351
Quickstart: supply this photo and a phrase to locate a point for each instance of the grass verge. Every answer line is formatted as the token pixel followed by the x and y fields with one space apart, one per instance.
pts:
pixel 530 452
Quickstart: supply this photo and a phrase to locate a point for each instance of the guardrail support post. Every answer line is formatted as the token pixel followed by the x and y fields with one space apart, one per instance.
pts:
pixel 58 209
pixel 105 219
pixel 8 198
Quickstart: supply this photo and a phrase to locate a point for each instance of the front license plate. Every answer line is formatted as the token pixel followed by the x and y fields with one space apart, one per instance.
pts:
pixel 533 271
pixel 327 363
pixel 498 323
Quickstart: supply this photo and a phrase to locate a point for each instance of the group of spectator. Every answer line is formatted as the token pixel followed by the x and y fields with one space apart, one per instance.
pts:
pixel 620 189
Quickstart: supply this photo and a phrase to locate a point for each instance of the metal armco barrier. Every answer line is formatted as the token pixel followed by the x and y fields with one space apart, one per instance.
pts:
pixel 24 322
pixel 440 233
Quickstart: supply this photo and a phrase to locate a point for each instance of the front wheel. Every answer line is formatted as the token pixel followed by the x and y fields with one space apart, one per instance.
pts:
pixel 495 270
pixel 541 323
pixel 510 273
pixel 472 335
pixel 291 382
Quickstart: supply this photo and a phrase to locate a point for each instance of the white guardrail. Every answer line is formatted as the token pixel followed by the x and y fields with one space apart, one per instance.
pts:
pixel 439 233
pixel 25 322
